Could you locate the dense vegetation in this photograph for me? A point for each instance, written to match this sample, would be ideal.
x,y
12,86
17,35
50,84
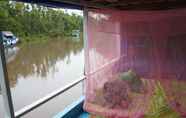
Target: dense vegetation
x,y
30,21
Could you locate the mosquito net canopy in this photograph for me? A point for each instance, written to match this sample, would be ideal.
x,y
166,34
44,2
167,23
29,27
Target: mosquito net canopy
x,y
136,63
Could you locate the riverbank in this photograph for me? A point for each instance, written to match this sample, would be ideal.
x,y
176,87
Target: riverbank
x,y
39,39
44,38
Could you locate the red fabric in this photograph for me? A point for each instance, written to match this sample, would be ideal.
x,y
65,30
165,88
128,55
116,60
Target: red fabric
x,y
150,43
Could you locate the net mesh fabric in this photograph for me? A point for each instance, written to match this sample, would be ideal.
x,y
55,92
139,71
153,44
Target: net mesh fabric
x,y
136,63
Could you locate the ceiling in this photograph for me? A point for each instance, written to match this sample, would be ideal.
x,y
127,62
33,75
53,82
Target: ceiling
x,y
129,4
115,4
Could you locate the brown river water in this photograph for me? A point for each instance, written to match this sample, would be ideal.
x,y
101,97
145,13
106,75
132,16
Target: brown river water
x,y
35,70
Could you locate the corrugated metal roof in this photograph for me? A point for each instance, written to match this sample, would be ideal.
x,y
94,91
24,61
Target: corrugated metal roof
x,y
129,4
115,4
7,33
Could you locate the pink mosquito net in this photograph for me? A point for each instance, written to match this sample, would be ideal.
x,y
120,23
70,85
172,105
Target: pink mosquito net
x,y
136,63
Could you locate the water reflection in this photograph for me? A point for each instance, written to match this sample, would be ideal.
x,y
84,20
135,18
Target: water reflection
x,y
39,59
37,69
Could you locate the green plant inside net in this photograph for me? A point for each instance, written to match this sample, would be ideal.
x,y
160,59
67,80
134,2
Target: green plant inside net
x,y
158,107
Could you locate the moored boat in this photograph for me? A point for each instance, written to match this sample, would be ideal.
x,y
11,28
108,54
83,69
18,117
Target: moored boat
x,y
9,39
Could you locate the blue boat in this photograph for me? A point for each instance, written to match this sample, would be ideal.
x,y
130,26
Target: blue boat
x,y
9,39
75,110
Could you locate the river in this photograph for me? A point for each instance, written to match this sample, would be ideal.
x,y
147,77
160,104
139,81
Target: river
x,y
37,69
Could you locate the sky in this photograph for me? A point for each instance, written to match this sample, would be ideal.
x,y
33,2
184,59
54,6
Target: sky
x,y
70,11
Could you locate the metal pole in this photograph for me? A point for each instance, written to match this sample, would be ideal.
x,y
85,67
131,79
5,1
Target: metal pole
x,y
4,83
85,39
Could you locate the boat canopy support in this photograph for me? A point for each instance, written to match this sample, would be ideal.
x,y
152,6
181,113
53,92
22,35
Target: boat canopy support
x,y
4,84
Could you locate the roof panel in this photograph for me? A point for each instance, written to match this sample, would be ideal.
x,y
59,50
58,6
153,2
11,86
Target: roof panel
x,y
114,4
129,4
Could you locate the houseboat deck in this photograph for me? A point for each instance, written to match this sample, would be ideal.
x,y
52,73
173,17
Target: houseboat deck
x,y
75,110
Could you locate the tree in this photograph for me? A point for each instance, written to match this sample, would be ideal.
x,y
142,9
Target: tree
x,y
28,20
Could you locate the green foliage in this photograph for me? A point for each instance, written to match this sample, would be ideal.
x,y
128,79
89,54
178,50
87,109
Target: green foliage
x,y
133,80
159,107
30,20
129,75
